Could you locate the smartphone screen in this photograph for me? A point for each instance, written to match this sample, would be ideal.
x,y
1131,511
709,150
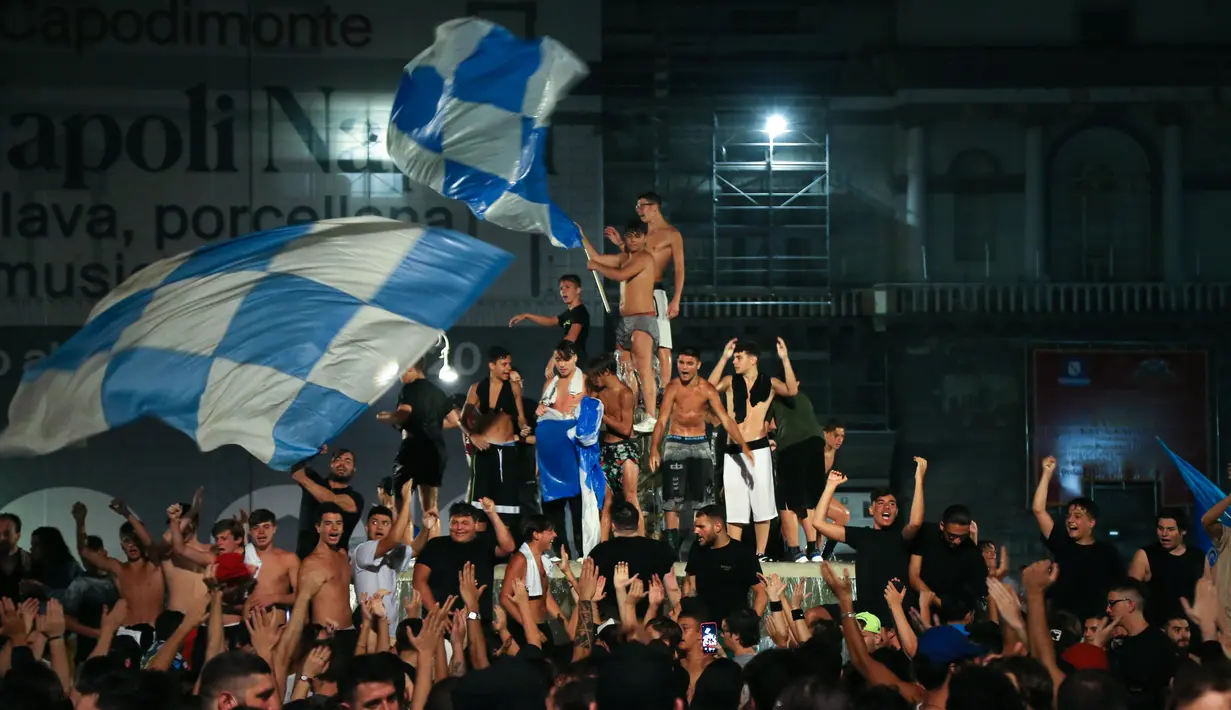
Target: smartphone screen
x,y
709,637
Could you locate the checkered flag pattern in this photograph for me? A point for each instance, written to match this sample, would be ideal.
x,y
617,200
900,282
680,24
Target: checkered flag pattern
x,y
470,121
275,341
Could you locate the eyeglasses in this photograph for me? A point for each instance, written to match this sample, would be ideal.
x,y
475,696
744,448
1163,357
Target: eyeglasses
x,y
1112,602
955,538
639,205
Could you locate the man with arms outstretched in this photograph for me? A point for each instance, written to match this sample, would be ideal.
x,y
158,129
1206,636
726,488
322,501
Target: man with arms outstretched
x,y
884,549
689,480
666,245
573,322
637,330
749,394
139,581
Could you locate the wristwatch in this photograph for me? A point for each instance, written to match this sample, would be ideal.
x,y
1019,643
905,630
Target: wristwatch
x,y
472,616
849,615
305,678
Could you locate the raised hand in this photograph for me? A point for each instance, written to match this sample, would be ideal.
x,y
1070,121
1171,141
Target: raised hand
x,y
1007,603
729,349
376,604
588,584
921,467
657,592
120,508
836,478
413,605
782,354
175,512
317,661
894,597
1040,575
470,589
841,587
115,617
79,511
51,622
489,506
1049,465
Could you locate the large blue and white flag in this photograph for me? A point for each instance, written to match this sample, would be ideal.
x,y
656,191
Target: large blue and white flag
x,y
1205,495
470,121
275,341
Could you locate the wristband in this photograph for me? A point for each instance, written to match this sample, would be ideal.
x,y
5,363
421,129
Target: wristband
x,y
797,615
775,606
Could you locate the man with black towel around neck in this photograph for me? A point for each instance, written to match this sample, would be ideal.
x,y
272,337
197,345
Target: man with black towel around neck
x,y
493,417
750,494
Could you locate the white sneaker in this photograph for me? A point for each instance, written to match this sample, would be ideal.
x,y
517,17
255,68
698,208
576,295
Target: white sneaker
x,y
801,559
817,556
646,425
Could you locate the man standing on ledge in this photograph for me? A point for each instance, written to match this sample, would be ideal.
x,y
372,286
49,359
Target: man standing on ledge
x,y
574,322
664,243
318,492
493,417
749,394
637,331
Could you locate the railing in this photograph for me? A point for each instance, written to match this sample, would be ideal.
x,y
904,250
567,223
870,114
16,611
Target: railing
x,y
910,299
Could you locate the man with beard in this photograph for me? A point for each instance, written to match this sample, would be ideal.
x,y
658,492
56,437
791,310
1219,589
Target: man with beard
x,y
15,563
423,412
1088,567
492,418
721,570
884,549
688,402
1169,568
331,605
139,581
749,393
277,569
318,492
637,329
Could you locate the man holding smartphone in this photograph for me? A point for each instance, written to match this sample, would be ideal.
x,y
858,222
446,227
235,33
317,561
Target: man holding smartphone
x,y
694,656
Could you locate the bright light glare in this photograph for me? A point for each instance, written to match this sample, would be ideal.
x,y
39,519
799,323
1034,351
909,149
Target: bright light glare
x,y
447,373
385,376
775,125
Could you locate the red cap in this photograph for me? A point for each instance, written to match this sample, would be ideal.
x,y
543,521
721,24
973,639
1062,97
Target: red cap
x,y
1085,656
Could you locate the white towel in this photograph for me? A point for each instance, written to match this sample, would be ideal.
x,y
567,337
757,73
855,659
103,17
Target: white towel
x,y
576,386
535,584
252,558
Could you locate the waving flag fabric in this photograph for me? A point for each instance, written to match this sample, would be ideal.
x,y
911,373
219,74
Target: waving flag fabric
x,y
1205,493
274,341
470,121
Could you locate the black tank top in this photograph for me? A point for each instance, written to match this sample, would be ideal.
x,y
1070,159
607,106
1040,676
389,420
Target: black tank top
x,y
1171,577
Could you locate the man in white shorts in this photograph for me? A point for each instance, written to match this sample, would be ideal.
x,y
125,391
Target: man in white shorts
x,y
750,494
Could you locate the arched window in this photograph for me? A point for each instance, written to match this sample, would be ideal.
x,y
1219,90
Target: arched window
x,y
974,206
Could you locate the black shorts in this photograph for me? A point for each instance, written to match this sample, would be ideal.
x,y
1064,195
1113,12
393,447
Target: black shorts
x,y
796,474
688,472
498,473
420,459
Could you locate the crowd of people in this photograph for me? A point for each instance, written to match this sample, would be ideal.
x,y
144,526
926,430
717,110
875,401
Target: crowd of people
x,y
507,610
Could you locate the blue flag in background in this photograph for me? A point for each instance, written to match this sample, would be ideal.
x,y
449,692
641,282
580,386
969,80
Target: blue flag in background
x,y
1206,494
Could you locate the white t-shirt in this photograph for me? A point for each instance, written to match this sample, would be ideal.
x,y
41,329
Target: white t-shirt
x,y
373,574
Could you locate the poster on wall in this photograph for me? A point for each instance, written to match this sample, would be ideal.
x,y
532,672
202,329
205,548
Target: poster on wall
x,y
1099,411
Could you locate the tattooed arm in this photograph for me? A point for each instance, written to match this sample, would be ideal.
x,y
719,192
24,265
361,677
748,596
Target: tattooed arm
x,y
587,588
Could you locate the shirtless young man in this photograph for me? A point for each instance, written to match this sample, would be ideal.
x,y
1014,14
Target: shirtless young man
x,y
184,577
620,459
492,418
749,394
140,582
637,331
665,244
331,605
278,575
688,403
539,534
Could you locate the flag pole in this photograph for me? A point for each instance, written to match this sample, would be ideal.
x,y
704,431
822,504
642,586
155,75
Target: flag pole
x,y
598,282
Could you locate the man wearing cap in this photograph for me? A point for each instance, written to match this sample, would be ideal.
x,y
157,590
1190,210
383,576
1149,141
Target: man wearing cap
x,y
318,491
871,626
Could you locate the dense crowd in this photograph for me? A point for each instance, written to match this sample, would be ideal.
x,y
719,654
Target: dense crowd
x,y
497,615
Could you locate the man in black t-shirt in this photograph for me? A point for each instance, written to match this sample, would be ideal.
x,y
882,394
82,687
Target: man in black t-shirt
x,y
1088,567
317,491
574,321
645,557
722,571
422,414
1145,659
947,562
884,548
443,558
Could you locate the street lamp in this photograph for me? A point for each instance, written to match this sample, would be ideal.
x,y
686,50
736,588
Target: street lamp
x,y
775,125
447,373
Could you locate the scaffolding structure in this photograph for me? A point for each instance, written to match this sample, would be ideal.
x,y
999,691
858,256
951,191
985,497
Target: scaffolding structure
x,y
771,202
